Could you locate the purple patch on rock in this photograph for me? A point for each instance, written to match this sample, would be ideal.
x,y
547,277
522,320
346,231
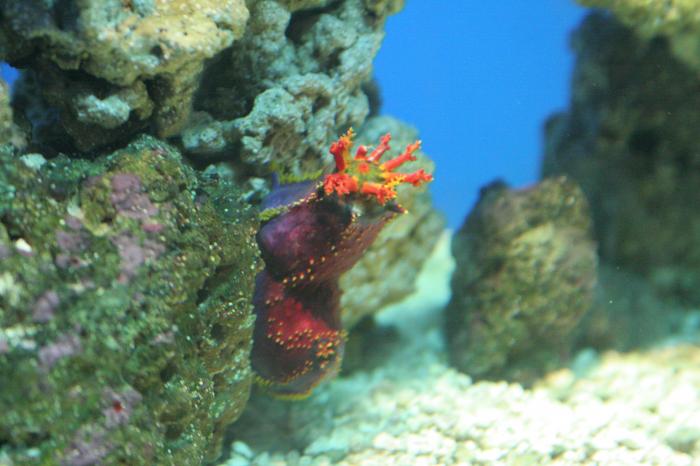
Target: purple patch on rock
x,y
71,241
73,223
45,307
153,248
125,183
88,447
133,254
4,252
64,261
152,227
129,199
200,200
66,345
4,346
92,181
120,406
130,252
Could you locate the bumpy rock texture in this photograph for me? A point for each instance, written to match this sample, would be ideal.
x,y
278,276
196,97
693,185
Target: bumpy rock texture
x,y
388,270
290,85
9,131
678,20
630,140
526,268
125,308
111,68
125,278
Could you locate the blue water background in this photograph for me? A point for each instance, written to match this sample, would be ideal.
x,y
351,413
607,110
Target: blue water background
x,y
478,79
8,73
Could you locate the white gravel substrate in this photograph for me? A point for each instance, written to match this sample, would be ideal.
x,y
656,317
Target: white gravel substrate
x,y
634,409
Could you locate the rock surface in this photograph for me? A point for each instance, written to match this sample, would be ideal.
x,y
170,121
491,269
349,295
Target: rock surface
x,y
630,140
526,268
294,82
108,69
9,131
628,314
126,277
677,20
125,308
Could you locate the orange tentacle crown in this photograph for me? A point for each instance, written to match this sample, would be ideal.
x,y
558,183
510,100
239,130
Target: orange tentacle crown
x,y
364,174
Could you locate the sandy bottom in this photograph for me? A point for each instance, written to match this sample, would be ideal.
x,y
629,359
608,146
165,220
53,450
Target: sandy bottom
x,y
413,409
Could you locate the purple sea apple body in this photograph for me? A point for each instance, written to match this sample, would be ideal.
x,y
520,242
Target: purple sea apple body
x,y
298,340
317,231
283,195
300,243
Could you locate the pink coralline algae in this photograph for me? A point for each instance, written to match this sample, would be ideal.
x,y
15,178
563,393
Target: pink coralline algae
x,y
45,307
65,346
71,242
119,406
134,252
88,448
314,232
129,198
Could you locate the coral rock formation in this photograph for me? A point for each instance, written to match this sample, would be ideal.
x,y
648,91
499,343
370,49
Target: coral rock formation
x,y
126,278
526,268
630,140
284,90
677,20
125,308
113,68
9,132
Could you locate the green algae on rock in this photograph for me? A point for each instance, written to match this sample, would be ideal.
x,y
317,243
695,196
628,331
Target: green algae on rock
x,y
125,313
526,268
9,131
